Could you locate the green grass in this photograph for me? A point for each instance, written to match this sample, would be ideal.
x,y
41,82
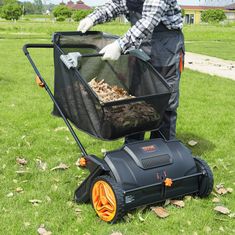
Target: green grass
x,y
213,40
27,129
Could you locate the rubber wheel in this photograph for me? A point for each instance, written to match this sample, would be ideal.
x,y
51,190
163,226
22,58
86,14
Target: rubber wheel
x,y
207,180
107,199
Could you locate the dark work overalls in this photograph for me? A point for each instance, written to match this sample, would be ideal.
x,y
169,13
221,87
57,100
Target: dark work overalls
x,y
166,50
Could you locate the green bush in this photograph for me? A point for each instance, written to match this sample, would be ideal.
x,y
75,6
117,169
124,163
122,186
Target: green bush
x,y
80,14
60,18
211,16
11,11
62,11
182,12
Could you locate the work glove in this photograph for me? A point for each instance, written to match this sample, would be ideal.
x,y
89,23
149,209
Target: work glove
x,y
111,51
85,24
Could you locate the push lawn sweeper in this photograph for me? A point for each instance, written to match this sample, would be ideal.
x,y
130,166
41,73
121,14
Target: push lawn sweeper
x,y
139,173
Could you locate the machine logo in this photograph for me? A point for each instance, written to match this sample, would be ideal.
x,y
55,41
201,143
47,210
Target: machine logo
x,y
149,148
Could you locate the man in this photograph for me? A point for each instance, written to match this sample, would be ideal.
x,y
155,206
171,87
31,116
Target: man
x,y
156,28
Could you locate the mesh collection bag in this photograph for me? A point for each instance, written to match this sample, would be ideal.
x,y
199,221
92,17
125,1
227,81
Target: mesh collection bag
x,y
107,99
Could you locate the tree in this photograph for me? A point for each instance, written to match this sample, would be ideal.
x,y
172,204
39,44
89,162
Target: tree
x,y
80,14
213,16
182,12
11,11
38,6
62,11
29,8
6,2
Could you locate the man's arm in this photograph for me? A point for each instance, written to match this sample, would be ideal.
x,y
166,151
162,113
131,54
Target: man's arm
x,y
109,11
151,16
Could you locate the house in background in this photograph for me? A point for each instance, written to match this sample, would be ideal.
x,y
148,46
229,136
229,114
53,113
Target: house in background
x,y
79,5
193,13
230,12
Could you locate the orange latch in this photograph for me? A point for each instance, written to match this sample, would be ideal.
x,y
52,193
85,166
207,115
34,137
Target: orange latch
x,y
39,82
181,63
82,162
168,182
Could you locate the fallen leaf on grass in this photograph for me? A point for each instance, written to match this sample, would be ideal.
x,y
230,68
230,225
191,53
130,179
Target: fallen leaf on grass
x,y
178,203
116,233
48,199
207,229
22,172
41,165
26,224
232,215
167,202
128,217
78,211
221,229
230,190
104,151
78,162
215,200
21,161
10,194
35,201
24,138
192,143
19,190
160,212
42,231
222,210
61,128
221,190
188,198
61,166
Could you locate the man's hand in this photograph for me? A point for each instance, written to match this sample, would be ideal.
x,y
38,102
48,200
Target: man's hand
x,y
85,24
111,51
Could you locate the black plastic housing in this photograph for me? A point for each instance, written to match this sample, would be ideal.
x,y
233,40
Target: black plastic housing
x,y
141,168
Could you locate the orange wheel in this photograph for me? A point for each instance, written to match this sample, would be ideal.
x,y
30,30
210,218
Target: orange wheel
x,y
107,199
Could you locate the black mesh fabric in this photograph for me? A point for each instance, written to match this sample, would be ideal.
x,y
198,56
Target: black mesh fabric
x,y
81,105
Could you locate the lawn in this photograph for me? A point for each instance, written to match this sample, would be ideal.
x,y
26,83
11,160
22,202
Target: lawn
x,y
27,130
213,40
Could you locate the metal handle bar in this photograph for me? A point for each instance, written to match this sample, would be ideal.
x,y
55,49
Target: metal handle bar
x,y
26,52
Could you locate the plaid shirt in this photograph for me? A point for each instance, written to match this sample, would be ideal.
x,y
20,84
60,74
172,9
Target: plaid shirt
x,y
154,11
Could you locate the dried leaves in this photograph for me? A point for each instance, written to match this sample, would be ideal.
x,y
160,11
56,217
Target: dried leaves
x,y
222,210
41,165
126,115
177,203
42,230
192,143
61,166
108,93
160,212
221,190
21,161
35,202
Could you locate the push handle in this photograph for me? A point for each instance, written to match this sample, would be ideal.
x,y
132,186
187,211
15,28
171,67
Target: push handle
x,y
26,46
43,83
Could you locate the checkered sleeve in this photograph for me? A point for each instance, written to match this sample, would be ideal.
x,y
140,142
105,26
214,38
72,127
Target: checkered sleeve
x,y
151,16
109,11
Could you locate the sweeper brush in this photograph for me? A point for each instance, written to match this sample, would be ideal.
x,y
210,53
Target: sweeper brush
x,y
110,100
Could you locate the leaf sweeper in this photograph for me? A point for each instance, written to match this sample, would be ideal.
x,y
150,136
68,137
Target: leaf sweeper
x,y
139,173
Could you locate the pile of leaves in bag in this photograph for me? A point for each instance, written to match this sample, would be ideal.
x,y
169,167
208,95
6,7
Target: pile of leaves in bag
x,y
130,114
